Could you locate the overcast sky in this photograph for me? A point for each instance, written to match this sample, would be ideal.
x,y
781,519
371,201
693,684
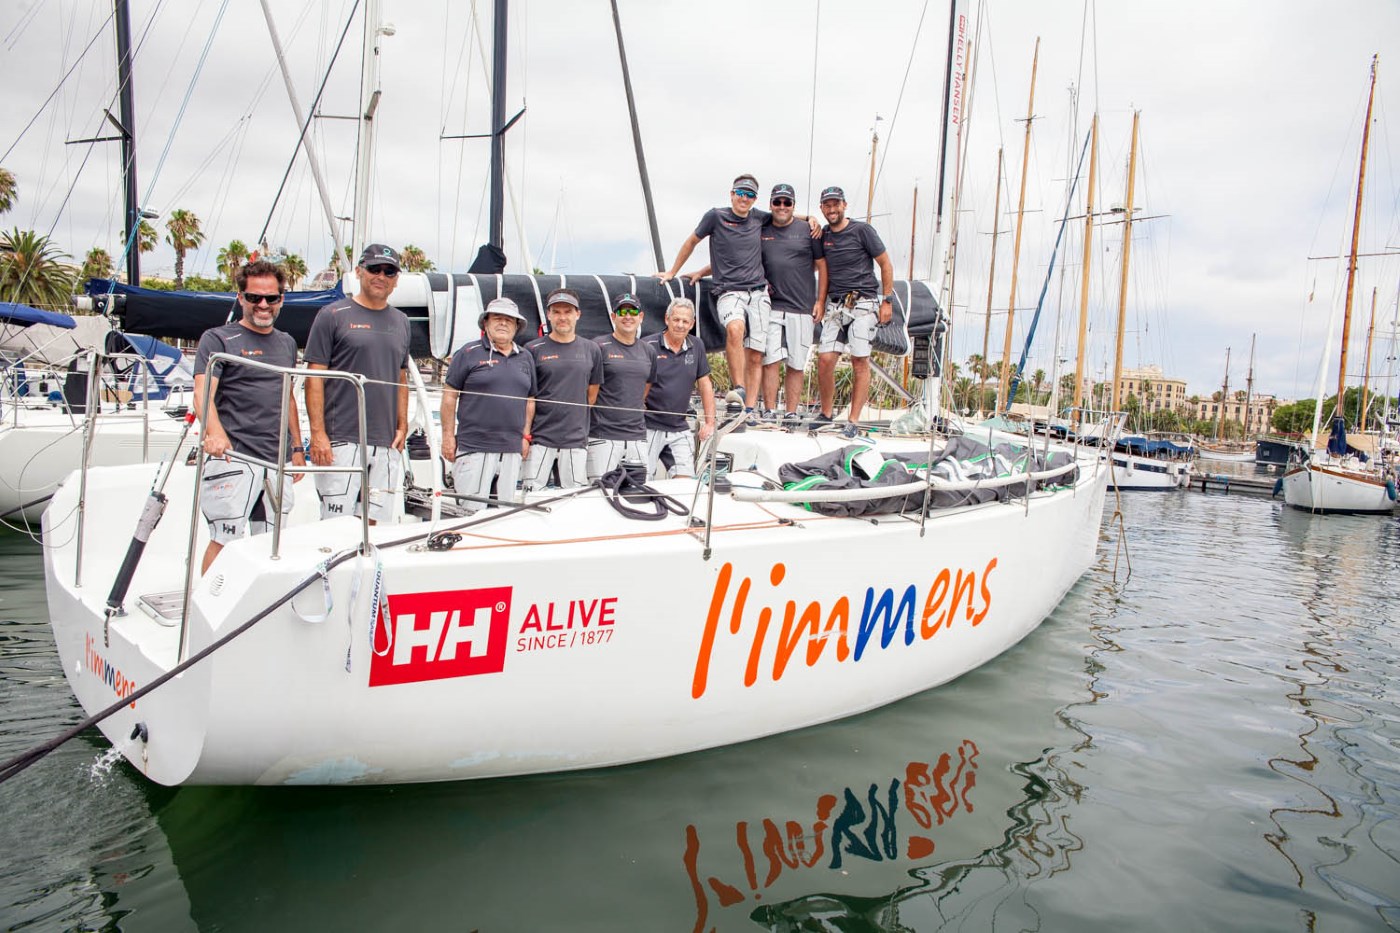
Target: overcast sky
x,y
1251,119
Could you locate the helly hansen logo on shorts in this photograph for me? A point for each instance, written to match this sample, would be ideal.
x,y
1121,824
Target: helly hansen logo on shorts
x,y
441,635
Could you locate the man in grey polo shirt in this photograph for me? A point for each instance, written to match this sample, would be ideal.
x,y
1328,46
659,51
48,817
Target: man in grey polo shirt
x,y
790,256
365,335
681,365
568,373
488,386
855,303
245,411
618,429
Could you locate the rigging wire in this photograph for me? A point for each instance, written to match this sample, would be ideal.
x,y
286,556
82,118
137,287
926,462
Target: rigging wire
x,y
913,47
812,126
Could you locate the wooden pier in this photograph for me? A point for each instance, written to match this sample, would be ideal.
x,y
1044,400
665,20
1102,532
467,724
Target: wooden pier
x,y
1227,483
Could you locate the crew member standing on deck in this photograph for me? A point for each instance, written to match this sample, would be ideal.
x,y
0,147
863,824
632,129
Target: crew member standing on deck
x,y
568,372
790,257
487,389
855,303
367,335
246,411
681,365
618,429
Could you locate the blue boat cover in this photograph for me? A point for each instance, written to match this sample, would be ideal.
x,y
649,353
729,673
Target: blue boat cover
x,y
1137,444
165,368
23,315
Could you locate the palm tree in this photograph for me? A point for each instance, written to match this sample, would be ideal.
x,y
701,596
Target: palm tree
x,y
32,271
232,257
977,366
1037,383
296,270
9,188
97,264
415,260
183,235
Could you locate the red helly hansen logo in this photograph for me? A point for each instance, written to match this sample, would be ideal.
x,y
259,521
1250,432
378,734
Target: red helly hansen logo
x,y
441,635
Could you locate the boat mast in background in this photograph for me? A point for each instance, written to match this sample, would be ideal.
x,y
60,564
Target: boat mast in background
x,y
1248,386
1084,273
1005,375
369,103
1355,241
1366,372
1123,278
637,141
991,280
1224,397
127,129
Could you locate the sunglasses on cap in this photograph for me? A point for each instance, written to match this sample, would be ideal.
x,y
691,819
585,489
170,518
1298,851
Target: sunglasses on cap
x,y
627,311
782,202
388,272
253,298
746,192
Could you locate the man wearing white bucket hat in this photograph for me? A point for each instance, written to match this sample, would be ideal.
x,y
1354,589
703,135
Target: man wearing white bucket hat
x,y
488,386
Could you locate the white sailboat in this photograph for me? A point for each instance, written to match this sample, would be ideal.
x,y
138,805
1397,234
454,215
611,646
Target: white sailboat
x,y
1335,477
564,632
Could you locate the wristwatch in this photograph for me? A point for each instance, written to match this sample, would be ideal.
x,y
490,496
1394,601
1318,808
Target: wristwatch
x,y
889,298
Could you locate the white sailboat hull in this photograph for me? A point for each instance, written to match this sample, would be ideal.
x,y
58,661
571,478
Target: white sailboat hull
x,y
551,641
39,448
1327,485
1130,471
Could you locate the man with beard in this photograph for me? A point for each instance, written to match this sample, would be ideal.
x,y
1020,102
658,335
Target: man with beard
x,y
790,256
855,302
367,335
244,415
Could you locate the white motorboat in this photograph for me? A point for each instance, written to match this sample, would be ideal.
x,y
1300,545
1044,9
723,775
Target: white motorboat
x,y
557,635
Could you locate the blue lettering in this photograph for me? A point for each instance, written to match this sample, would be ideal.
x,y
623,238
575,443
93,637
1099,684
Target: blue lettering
x,y
887,616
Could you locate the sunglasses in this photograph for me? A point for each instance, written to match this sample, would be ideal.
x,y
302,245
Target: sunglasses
x,y
782,202
253,298
388,272
627,312
746,192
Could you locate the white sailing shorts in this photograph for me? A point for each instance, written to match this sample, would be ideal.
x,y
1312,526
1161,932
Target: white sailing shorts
x,y
235,494
789,338
682,446
753,308
340,492
541,461
860,323
604,456
474,473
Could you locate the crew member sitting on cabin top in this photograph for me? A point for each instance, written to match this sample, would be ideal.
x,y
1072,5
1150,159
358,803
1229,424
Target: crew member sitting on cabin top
x,y
568,372
681,365
246,411
367,335
854,301
618,430
488,386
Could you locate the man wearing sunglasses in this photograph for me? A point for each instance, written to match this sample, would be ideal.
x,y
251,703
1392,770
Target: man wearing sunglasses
x,y
618,428
244,417
367,335
790,257
856,304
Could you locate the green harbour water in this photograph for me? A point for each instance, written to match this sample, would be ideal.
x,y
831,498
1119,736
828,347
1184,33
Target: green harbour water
x,y
1204,735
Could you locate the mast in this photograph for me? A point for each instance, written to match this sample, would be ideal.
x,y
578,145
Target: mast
x,y
1366,377
499,21
1016,249
637,142
1224,396
874,147
369,103
1355,240
991,280
1084,271
127,129
1249,386
1123,277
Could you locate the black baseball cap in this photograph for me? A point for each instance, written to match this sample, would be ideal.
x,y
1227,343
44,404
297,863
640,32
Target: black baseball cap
x,y
627,301
379,254
783,191
833,193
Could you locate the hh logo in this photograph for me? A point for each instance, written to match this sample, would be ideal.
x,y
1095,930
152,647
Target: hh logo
x,y
439,635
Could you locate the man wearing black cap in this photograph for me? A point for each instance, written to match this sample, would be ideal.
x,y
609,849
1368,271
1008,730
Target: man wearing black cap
x,y
790,256
741,291
367,335
618,430
855,303
568,372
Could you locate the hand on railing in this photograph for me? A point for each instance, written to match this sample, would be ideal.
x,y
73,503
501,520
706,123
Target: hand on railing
x,y
216,442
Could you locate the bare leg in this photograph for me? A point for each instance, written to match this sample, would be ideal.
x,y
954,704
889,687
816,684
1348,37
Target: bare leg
x,y
860,384
826,380
734,354
792,389
754,360
211,552
770,385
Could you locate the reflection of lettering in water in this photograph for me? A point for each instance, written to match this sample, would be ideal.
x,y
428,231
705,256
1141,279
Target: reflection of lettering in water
x,y
852,825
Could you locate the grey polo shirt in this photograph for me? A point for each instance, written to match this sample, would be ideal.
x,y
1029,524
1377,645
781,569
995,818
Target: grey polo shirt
x,y
348,336
736,259
248,399
495,388
563,373
850,260
676,375
627,369
788,254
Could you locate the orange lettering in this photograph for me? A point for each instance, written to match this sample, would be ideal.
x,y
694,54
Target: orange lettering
x,y
707,640
841,610
986,593
934,600
764,617
962,586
